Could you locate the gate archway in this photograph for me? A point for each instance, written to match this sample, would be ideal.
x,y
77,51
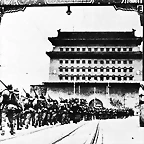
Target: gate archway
x,y
96,103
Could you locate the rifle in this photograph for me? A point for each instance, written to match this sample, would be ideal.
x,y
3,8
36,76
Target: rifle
x,y
35,91
4,84
24,91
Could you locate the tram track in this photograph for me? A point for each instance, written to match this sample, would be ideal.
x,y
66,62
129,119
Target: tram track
x,y
27,133
90,135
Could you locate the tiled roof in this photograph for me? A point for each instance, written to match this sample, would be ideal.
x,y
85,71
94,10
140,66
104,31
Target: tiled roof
x,y
96,35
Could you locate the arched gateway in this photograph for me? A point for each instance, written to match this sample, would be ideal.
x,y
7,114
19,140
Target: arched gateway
x,y
96,103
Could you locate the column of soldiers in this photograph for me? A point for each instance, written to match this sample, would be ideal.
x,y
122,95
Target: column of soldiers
x,y
18,112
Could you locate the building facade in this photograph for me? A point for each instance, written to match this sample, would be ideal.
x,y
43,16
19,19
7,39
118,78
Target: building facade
x,y
86,63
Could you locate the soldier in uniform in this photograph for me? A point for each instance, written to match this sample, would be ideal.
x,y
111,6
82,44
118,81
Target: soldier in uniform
x,y
28,110
10,106
141,104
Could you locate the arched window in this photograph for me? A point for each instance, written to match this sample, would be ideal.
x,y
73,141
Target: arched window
x,y
66,69
113,69
107,69
89,69
89,77
78,69
125,77
107,77
83,77
61,77
83,69
95,69
119,78
131,77
77,77
119,69
130,69
95,77
113,77
61,61
101,69
101,77
72,77
125,69
66,77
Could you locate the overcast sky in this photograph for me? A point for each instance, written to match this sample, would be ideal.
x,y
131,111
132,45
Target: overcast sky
x,y
24,37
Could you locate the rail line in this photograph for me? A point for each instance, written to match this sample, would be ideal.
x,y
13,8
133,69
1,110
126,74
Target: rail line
x,y
27,133
72,136
60,139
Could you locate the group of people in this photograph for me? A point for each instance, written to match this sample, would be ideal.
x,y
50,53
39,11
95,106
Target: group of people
x,y
17,112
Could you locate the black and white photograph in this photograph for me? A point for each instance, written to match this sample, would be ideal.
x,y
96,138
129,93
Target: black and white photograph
x,y
71,72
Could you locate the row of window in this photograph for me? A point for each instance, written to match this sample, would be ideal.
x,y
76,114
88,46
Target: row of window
x,y
96,69
96,49
100,77
96,61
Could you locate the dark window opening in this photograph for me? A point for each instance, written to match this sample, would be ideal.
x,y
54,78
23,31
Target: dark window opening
x,y
113,77
125,69
61,70
89,49
101,69
101,77
66,70
119,62
89,69
113,69
130,49
101,62
113,49
89,61
107,62
61,61
113,62
95,61
119,78
119,69
83,61
78,78
101,49
95,78
107,49
67,49
78,61
119,49
60,77
72,49
66,61
78,49
131,77
95,49
130,62
61,49
83,77
83,49
107,77
125,62
124,49
130,69
72,77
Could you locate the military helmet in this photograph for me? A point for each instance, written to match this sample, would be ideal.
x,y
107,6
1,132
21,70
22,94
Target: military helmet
x,y
16,91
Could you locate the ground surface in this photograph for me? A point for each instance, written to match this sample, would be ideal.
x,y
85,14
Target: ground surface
x,y
112,131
